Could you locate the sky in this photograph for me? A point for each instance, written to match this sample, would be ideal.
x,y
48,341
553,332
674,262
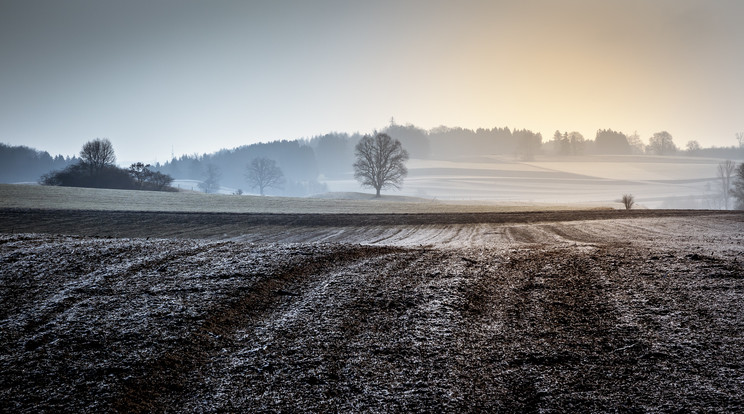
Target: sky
x,y
173,77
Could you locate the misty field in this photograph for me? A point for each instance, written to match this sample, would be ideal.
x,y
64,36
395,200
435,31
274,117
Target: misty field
x,y
656,181
70,198
593,310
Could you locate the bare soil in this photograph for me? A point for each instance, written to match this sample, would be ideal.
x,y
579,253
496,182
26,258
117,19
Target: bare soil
x,y
583,311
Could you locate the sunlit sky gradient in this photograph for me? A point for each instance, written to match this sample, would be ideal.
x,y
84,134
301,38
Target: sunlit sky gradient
x,y
196,76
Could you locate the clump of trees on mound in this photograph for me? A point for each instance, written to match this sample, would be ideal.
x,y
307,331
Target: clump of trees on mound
x,y
96,169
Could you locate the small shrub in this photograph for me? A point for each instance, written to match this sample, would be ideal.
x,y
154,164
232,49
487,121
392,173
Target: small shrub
x,y
628,200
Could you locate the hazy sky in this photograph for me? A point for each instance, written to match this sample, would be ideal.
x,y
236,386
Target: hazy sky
x,y
197,76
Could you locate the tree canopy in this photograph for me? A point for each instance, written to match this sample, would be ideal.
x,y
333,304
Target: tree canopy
x,y
263,173
380,162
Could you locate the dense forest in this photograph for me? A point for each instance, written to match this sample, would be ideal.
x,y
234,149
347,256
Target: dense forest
x,y
23,164
307,163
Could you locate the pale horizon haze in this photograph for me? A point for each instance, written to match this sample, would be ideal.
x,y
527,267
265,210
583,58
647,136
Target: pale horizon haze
x,y
196,76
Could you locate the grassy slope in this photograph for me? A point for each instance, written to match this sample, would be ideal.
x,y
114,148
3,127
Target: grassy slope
x,y
42,197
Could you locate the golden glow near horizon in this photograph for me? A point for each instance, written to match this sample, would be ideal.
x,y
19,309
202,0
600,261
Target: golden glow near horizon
x,y
203,76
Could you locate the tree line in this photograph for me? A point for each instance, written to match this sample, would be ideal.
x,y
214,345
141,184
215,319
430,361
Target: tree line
x,y
300,167
24,164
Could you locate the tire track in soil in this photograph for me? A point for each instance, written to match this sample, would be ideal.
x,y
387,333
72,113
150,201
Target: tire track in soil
x,y
563,332
367,336
161,382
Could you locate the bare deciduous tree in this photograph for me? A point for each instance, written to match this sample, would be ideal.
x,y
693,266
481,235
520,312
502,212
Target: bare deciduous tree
x,y
97,154
211,181
380,162
628,201
725,170
264,173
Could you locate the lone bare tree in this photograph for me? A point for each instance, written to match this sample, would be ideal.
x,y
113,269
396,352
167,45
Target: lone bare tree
x,y
211,181
264,173
725,171
628,201
98,154
380,162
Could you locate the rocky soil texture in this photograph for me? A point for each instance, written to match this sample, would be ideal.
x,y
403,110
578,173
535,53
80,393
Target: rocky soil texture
x,y
605,314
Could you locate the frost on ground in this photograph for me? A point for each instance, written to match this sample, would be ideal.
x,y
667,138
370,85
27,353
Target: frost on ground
x,y
637,314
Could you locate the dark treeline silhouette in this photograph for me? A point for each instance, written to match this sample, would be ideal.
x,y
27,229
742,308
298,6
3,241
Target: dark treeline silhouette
x,y
96,169
24,164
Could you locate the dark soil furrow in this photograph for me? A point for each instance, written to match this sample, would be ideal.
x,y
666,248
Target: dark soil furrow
x,y
163,381
203,225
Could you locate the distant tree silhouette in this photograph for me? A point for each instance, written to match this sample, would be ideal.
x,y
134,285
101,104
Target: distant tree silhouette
x,y
661,144
724,172
98,154
528,143
146,179
693,147
576,142
211,183
608,141
140,172
159,181
738,190
636,144
628,201
24,164
264,173
380,162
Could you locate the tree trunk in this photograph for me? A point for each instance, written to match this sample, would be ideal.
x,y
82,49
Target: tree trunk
x,y
378,193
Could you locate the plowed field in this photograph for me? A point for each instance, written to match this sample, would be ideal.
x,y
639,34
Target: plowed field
x,y
564,312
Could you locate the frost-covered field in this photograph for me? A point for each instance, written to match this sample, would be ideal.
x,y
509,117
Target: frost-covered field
x,y
656,181
68,198
559,311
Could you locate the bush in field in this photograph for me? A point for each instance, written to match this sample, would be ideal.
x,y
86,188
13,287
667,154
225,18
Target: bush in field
x,y
80,175
96,170
628,200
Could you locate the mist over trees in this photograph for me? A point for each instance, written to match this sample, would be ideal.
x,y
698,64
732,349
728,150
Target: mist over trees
x,y
211,182
608,141
661,144
309,163
296,159
738,190
24,164
263,173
